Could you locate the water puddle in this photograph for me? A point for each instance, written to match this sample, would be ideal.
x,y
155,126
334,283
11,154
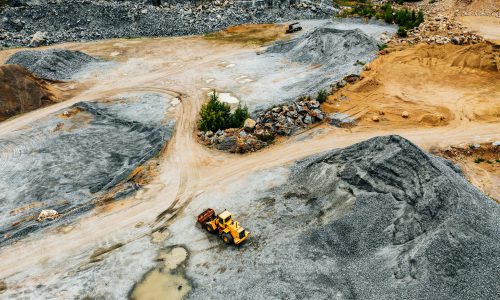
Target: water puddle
x,y
166,280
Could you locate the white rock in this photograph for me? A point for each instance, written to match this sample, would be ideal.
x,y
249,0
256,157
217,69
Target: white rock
x,y
47,214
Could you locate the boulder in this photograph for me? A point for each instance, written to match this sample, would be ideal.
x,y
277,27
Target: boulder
x,y
228,143
249,124
38,39
341,120
47,214
405,114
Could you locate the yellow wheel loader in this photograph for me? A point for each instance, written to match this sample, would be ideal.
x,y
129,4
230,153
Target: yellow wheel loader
x,y
223,224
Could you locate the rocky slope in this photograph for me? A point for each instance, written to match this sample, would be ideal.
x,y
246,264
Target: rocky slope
x,y
381,218
52,64
71,20
21,92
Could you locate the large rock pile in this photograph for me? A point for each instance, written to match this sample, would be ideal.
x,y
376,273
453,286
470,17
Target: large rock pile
x,y
77,20
441,30
283,120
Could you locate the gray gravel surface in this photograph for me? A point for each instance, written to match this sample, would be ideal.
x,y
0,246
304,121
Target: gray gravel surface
x,y
381,219
52,64
67,163
80,20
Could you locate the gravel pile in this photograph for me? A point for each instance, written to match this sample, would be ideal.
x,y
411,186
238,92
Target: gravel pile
x,y
52,64
80,20
380,219
326,46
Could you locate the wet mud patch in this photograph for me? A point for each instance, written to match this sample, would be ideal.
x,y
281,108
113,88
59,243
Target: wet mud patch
x,y
74,167
167,280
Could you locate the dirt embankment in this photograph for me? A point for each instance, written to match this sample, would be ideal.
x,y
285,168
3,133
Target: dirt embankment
x,y
480,164
21,92
425,86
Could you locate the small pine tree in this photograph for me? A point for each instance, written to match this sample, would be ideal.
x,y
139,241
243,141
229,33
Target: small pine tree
x,y
322,95
214,115
239,116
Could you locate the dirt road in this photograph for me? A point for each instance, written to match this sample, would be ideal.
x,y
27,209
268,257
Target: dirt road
x,y
177,66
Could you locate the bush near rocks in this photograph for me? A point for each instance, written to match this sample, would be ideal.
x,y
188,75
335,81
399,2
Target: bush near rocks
x,y
281,120
216,115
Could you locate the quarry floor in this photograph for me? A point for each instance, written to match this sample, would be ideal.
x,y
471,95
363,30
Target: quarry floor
x,y
427,81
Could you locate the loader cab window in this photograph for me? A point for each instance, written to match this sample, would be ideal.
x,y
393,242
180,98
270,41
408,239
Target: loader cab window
x,y
223,221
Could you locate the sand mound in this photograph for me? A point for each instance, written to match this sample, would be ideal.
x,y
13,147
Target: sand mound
x,y
437,85
53,64
21,92
327,46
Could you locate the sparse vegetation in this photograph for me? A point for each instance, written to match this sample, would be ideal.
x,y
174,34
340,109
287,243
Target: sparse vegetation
x,y
215,115
402,32
381,46
406,19
322,95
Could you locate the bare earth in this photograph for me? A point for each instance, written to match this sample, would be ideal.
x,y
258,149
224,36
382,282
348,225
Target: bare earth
x,y
452,95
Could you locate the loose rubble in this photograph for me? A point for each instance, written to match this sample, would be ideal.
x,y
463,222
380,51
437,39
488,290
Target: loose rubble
x,y
83,20
440,30
281,120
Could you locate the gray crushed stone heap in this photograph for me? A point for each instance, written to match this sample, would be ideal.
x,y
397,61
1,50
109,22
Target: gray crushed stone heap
x,y
80,20
326,46
380,219
69,163
52,64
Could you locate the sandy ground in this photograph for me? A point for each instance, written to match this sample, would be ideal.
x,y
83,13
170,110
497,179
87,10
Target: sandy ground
x,y
177,66
487,27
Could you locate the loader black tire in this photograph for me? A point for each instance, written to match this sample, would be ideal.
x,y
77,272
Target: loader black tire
x,y
209,227
227,238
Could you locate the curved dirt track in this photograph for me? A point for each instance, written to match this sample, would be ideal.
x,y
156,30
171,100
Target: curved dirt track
x,y
176,66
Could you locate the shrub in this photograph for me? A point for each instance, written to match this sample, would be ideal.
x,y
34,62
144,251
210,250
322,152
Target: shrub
x,y
402,32
214,115
381,46
239,116
322,95
479,160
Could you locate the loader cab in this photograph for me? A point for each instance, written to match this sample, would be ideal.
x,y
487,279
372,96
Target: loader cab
x,y
224,218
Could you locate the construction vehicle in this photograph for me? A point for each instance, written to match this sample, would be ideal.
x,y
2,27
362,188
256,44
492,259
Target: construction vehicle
x,y
223,224
294,27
